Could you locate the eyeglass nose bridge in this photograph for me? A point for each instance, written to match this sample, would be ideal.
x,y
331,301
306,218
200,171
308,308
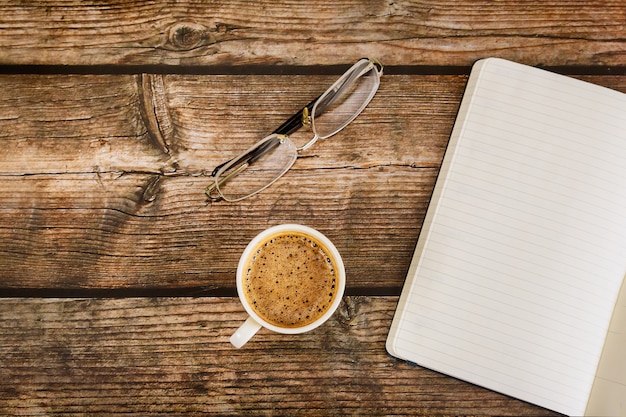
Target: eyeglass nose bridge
x,y
306,121
308,144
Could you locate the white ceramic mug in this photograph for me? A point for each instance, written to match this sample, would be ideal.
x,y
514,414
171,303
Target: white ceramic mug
x,y
254,322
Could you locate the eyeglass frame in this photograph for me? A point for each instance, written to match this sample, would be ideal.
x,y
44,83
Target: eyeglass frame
x,y
304,117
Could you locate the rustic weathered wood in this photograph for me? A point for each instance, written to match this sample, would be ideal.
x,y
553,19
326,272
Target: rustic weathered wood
x,y
83,123
93,199
97,193
172,355
74,124
55,32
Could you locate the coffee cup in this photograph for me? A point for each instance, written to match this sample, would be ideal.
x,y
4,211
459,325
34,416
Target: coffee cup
x,y
290,279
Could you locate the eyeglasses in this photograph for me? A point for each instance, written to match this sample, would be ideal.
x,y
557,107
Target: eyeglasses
x,y
266,161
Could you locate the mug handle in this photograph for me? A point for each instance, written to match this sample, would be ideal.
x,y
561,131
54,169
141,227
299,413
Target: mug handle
x,y
244,332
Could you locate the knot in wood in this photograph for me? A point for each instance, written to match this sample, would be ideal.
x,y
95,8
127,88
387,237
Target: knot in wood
x,y
348,311
187,35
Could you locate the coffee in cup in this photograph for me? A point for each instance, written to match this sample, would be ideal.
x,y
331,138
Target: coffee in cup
x,y
290,279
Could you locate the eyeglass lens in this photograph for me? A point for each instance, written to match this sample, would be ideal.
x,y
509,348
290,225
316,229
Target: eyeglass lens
x,y
343,103
257,168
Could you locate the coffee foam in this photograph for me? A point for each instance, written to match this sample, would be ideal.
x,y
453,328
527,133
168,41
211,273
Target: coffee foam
x,y
290,280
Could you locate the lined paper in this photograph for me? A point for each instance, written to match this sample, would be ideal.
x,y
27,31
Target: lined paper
x,y
523,250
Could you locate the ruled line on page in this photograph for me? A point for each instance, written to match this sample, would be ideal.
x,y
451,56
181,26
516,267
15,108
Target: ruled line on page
x,y
531,266
499,380
542,236
596,99
517,137
542,212
499,291
492,345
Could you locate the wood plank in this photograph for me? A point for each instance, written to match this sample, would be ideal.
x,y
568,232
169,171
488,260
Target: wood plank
x,y
64,124
75,217
134,216
172,355
53,124
236,33
95,232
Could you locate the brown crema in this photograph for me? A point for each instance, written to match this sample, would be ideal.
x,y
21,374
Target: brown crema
x,y
290,279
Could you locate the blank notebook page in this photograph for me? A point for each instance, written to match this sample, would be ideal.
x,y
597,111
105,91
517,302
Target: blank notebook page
x,y
523,249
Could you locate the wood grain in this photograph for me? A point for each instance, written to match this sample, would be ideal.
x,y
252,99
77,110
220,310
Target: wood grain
x,y
171,355
236,33
103,200
91,201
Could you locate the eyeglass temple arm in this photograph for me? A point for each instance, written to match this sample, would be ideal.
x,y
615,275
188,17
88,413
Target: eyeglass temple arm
x,y
253,155
296,121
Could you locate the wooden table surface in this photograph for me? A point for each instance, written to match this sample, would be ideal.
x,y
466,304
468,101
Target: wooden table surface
x,y
117,274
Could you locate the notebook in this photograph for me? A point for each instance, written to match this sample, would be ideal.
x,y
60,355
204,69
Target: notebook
x,y
519,264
